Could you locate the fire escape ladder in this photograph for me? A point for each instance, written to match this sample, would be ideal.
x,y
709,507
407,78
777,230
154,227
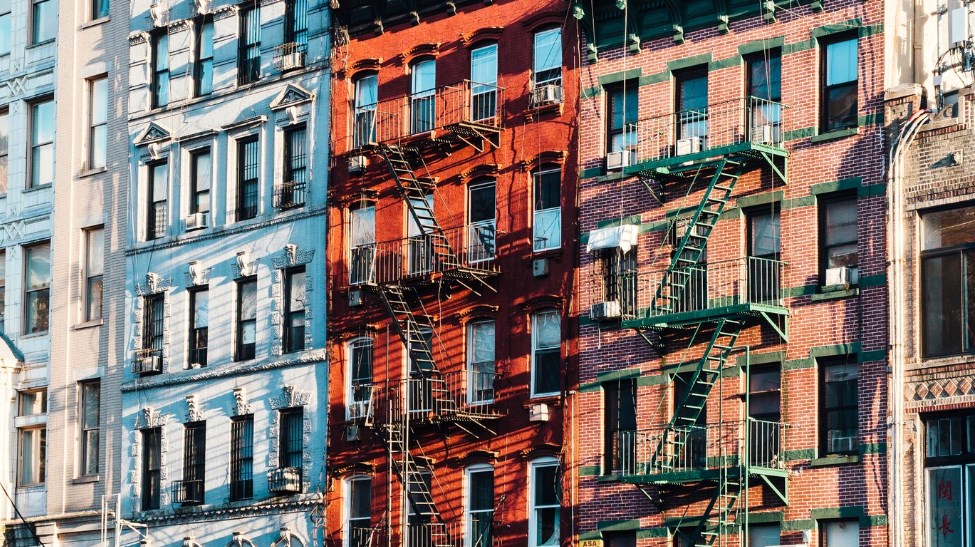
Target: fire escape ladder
x,y
692,244
667,456
720,516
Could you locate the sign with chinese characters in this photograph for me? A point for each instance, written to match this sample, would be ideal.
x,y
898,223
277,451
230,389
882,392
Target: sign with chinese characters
x,y
945,527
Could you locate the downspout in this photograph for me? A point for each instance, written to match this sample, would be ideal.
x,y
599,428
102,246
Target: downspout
x,y
896,274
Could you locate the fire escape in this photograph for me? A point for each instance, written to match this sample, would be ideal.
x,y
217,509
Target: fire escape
x,y
708,304
408,133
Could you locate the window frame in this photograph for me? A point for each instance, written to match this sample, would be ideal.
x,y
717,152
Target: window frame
x,y
823,205
197,195
194,458
537,68
823,524
153,324
197,353
249,46
37,146
4,150
962,252
690,120
94,125
825,88
242,457
469,513
361,252
291,447
159,84
554,211
629,90
291,342
359,393
201,62
245,209
38,445
537,351
94,234
295,166
43,293
296,26
423,100
350,503
823,365
613,440
476,377
100,9
87,430
241,351
150,476
479,247
364,114
3,291
6,20
36,19
156,209
533,507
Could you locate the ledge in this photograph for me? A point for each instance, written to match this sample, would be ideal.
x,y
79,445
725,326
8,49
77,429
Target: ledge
x,y
87,479
834,293
834,135
840,459
88,324
95,22
37,188
90,172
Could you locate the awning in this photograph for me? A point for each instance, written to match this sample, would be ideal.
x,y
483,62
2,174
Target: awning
x,y
616,237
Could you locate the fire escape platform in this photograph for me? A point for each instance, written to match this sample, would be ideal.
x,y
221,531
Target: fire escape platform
x,y
697,475
692,318
744,152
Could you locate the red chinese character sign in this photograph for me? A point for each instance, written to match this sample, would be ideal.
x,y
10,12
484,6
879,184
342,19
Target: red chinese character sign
x,y
945,526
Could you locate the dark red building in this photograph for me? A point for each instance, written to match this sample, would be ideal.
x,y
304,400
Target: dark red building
x,y
451,255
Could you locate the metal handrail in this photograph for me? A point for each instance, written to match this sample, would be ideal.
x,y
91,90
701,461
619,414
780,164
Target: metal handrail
x,y
467,391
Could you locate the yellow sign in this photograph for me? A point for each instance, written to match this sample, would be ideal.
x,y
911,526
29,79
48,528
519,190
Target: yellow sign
x,y
591,543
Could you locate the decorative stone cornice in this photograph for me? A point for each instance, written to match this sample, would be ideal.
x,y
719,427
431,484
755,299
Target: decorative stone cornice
x,y
484,170
241,406
482,34
212,371
429,49
478,309
193,412
543,18
291,95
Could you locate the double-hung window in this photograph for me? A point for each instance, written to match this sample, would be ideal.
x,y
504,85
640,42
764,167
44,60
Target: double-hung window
x,y
201,179
294,310
547,64
480,362
97,121
194,463
364,110
765,411
32,440
546,363
290,449
37,296
153,322
839,91
159,86
249,50
358,512
484,84
692,109
99,9
44,21
90,413
248,176
620,427
296,24
838,229
295,186
547,209
6,20
94,267
242,458
42,131
480,506
764,244
203,68
623,107
362,244
947,282
839,412
545,500
199,325
4,150
482,225
360,378
423,96
950,478
246,319
764,91
151,467
157,191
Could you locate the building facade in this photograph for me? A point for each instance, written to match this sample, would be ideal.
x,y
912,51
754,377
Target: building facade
x,y
733,340
228,141
64,103
451,256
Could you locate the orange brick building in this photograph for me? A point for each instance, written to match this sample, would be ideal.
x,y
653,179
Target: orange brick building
x,y
451,252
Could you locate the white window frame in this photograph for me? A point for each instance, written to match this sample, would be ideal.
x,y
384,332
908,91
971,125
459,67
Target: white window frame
x,y
94,235
347,516
468,514
556,212
475,248
94,135
540,65
533,467
472,372
355,220
356,344
534,360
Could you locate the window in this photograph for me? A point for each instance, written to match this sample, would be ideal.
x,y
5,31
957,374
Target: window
x,y
839,414
360,378
694,452
765,411
37,295
151,467
950,479
249,53
41,143
420,256
44,21
158,191
764,535
420,396
547,66
364,110
619,426
201,179
90,416
97,121
199,326
947,282
839,533
692,105
3,291
159,86
362,252
94,266
546,353
194,463
480,362
623,107
295,185
4,149
153,322
547,218
246,319
358,527
248,172
99,9
545,500
32,441
764,237
422,98
294,310
839,94
764,89
484,84
838,225
6,18
203,68
480,506
242,458
290,449
296,23
481,223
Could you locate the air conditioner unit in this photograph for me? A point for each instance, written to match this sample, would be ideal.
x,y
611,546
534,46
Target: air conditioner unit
x,y
149,363
546,94
290,61
359,410
540,267
842,276
538,413
609,309
689,145
617,160
357,165
763,134
355,298
196,221
841,444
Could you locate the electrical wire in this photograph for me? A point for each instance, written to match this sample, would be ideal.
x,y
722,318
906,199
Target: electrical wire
x,y
28,525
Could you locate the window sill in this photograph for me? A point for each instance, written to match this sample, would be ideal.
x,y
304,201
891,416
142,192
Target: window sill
x,y
95,22
552,399
32,335
834,135
38,487
837,459
90,172
554,252
88,324
835,292
41,44
38,188
87,479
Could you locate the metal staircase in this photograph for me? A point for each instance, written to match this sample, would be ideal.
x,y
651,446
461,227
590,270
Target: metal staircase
x,y
721,515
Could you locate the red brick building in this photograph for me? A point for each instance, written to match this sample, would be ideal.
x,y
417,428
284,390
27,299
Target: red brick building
x,y
732,343
451,254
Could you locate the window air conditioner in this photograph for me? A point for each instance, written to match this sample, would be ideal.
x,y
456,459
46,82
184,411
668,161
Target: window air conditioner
x,y
149,363
290,61
196,221
689,145
359,410
842,276
841,444
538,413
546,94
763,134
357,165
617,160
609,309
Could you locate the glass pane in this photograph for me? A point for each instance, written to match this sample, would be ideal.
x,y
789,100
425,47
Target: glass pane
x,y
482,342
96,252
160,176
297,288
361,503
481,495
5,33
764,234
764,380
482,203
45,21
201,311
99,101
546,485
90,404
363,226
484,65
765,79
841,107
424,76
42,165
366,91
547,329
623,107
942,320
548,52
204,171
161,51
547,372
248,300
38,267
764,535
841,534
548,189
948,228
841,222
693,92
362,361
841,62
206,41
944,492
